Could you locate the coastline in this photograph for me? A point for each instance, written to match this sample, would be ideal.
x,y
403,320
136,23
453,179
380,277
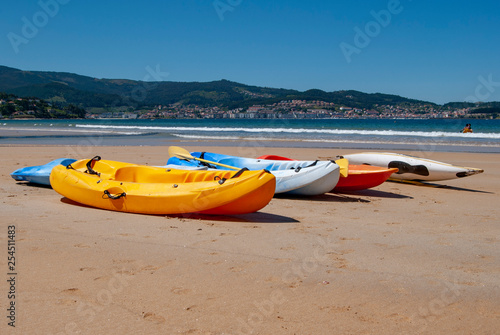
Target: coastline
x,y
392,135
398,258
96,138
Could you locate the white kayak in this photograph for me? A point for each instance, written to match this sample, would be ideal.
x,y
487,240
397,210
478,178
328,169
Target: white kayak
x,y
312,180
413,168
292,177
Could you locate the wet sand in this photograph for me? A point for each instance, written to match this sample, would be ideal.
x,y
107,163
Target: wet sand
x,y
396,259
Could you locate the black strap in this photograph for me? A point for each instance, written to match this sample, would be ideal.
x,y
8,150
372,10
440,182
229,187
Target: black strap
x,y
208,165
313,164
220,180
108,195
300,167
237,174
89,166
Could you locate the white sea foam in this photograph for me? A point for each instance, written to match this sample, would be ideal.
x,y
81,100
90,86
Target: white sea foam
x,y
340,141
303,131
201,137
82,131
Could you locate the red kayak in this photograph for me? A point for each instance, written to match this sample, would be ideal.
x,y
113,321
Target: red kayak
x,y
361,177
276,158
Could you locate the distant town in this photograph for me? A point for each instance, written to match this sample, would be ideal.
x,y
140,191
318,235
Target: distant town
x,y
295,109
12,107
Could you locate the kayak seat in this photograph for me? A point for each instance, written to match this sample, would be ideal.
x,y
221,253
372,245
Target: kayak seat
x,y
140,174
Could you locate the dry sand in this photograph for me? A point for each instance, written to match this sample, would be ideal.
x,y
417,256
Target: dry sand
x,y
397,259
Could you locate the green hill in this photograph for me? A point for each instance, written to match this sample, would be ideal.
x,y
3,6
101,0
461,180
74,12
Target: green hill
x,y
69,88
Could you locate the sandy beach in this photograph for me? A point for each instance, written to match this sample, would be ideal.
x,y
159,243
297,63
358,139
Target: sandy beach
x,y
396,259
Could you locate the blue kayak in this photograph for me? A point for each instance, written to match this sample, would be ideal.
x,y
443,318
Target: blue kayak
x,y
39,174
292,177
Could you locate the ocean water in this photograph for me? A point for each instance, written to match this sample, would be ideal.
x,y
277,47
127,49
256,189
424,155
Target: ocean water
x,y
421,134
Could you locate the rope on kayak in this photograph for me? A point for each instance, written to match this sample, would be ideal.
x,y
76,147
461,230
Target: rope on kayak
x,y
90,170
108,195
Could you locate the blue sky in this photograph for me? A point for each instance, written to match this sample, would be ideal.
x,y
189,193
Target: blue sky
x,y
429,50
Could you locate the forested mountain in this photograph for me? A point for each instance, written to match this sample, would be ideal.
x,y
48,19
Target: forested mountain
x,y
69,88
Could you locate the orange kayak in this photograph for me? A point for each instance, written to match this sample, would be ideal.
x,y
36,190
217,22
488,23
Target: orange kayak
x,y
132,188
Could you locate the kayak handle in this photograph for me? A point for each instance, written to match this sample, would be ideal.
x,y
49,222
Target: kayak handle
x,y
108,195
90,170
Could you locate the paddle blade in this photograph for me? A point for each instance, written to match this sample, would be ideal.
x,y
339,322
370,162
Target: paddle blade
x,y
182,153
179,152
344,167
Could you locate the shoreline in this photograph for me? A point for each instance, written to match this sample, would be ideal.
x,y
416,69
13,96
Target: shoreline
x,y
391,135
99,138
356,146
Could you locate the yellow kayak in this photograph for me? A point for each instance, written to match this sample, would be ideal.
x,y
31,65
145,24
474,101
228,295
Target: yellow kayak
x,y
144,189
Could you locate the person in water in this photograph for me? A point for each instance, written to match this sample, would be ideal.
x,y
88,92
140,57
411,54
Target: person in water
x,y
467,128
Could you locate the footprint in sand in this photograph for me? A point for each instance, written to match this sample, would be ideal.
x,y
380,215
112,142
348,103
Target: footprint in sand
x,y
349,239
273,279
81,245
150,268
72,291
282,260
152,317
180,290
251,226
66,302
335,309
288,248
122,261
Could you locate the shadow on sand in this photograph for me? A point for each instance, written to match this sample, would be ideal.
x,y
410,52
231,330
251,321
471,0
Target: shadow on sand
x,y
376,194
427,184
257,217
25,184
327,197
